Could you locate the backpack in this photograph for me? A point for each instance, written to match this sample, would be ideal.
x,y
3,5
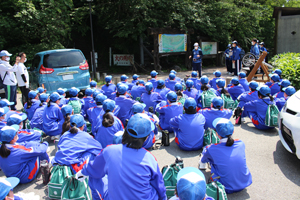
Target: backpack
x,y
228,102
206,98
210,137
74,189
170,177
272,116
58,175
216,190
1,81
76,105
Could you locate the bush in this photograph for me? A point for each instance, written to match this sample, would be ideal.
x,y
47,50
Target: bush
x,y
289,64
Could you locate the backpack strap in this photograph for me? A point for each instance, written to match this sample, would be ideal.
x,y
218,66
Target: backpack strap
x,y
4,76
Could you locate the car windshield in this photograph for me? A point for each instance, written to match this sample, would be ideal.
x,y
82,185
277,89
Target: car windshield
x,y
63,59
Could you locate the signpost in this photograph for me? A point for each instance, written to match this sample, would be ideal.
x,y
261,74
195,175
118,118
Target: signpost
x,y
123,59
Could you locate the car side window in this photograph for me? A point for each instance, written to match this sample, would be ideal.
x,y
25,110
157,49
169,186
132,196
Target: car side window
x,y
35,63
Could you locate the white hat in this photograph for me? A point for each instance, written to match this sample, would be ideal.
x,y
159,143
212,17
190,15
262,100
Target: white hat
x,y
4,53
196,44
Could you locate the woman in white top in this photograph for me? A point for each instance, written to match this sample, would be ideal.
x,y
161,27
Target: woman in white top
x,y
22,77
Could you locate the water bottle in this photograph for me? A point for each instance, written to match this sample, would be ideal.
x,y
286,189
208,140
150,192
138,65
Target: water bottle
x,y
165,139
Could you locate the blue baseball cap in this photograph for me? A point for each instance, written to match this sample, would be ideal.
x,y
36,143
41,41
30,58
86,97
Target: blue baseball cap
x,y
73,91
153,73
5,103
172,76
177,87
290,90
122,88
3,111
253,85
234,81
4,53
109,105
190,102
7,185
275,77
189,83
172,96
191,184
160,82
149,86
78,120
138,107
242,74
93,84
88,92
40,90
61,91
95,93
217,73
217,102
204,80
229,45
141,124
66,109
194,74
124,77
284,83
108,78
100,98
277,71
7,133
220,83
16,119
142,82
264,90
54,97
135,76
173,71
32,94
223,126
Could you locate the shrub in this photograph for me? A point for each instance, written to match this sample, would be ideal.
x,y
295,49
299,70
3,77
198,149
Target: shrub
x,y
289,64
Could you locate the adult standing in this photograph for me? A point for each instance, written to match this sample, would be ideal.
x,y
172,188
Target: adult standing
x,y
236,58
23,77
8,77
197,59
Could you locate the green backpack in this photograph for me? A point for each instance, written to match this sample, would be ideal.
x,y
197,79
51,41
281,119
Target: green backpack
x,y
216,190
170,178
206,98
272,116
228,102
76,105
74,189
210,137
58,175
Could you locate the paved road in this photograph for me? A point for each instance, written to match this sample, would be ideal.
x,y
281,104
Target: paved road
x,y
275,172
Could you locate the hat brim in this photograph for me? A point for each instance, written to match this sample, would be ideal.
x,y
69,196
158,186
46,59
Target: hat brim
x,y
15,126
14,181
6,109
23,116
187,170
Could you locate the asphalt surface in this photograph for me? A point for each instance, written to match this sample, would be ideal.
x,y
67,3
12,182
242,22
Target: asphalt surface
x,y
275,172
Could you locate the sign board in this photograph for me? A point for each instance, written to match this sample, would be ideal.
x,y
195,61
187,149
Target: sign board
x,y
209,48
123,59
170,43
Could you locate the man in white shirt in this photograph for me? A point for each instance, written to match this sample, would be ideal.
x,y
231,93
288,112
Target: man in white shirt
x,y
8,77
22,77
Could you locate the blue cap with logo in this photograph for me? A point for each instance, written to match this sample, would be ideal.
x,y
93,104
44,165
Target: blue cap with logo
x,y
73,91
100,98
149,86
141,124
277,71
177,87
275,77
109,105
284,83
153,73
190,102
290,90
40,90
191,184
7,133
135,76
172,96
124,77
108,78
264,90
242,74
122,88
194,74
93,84
217,102
235,81
88,92
224,127
54,97
5,53
220,83
7,185
204,80
160,82
172,76
5,103
189,83
217,73
61,91
78,120
253,85
16,119
3,111
66,109
138,107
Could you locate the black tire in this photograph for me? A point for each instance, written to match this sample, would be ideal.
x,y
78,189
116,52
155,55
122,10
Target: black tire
x,y
249,60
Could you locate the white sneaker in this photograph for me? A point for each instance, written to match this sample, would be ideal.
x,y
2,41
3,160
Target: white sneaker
x,y
243,119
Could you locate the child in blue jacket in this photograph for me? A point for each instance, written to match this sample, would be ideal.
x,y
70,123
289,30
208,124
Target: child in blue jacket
x,y
283,84
227,158
153,79
75,102
194,78
275,80
62,93
204,87
138,89
151,99
88,100
3,112
109,87
213,82
37,118
243,81
161,89
94,112
32,104
288,91
189,127
221,88
236,89
190,90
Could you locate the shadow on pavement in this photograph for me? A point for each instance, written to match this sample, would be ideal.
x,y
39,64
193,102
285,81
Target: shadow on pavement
x,y
248,126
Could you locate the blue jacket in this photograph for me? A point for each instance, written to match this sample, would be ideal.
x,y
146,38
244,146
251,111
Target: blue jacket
x,y
274,88
163,92
171,84
246,97
53,120
154,82
195,53
255,50
125,105
77,149
30,111
245,84
108,90
193,93
263,49
278,95
226,52
63,101
228,162
236,53
280,102
105,135
24,160
189,130
168,112
27,135
151,100
195,80
235,91
88,102
135,171
92,114
211,114
137,91
37,118
213,82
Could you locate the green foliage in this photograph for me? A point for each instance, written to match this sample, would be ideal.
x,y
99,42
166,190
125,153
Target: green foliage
x,y
289,64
